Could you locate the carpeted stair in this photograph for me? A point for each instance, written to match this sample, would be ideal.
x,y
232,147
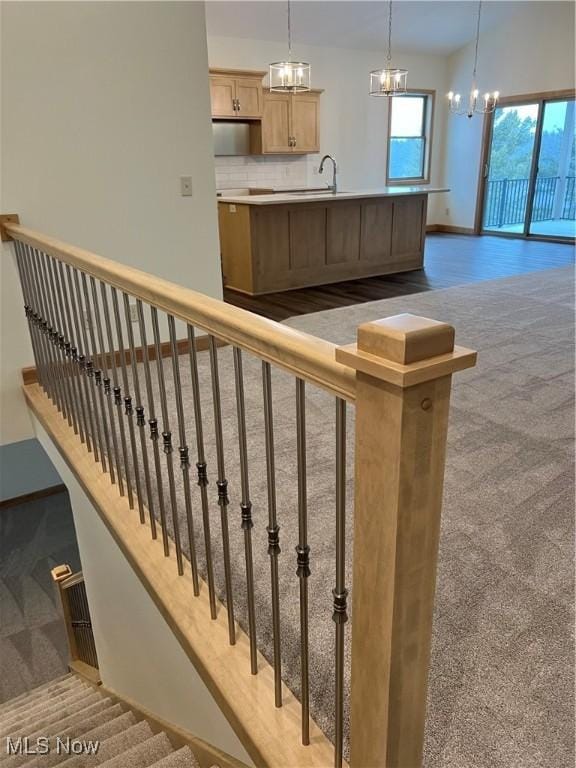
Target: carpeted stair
x,y
68,708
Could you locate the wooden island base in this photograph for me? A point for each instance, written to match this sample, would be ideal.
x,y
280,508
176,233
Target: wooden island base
x,y
268,248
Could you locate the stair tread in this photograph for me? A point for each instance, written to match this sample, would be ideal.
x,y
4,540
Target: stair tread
x,y
142,755
44,693
69,707
182,758
10,703
29,713
99,726
112,747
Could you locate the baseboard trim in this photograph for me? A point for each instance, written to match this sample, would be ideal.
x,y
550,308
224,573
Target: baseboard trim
x,y
85,671
448,229
15,501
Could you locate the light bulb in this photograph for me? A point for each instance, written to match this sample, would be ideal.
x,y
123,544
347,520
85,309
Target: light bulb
x,y
451,95
486,97
457,98
475,93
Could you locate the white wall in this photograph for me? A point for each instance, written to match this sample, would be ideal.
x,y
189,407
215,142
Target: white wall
x,y
139,657
104,107
353,124
532,52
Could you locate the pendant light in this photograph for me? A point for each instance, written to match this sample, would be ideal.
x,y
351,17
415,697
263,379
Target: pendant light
x,y
289,76
389,81
476,105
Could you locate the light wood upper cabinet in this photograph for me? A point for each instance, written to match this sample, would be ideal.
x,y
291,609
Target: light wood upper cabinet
x,y
276,135
306,122
236,93
290,123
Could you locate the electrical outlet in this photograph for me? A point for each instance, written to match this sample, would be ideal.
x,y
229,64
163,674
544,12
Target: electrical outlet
x,y
133,313
186,186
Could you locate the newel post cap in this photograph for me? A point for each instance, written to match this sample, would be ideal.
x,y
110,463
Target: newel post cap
x,y
406,350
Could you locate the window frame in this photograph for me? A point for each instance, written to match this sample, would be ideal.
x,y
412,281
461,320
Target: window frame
x,y
427,136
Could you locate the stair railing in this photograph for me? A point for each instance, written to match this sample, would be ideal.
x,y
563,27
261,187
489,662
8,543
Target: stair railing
x,y
102,364
77,621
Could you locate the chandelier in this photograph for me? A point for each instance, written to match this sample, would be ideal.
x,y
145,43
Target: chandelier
x,y
289,76
389,81
476,105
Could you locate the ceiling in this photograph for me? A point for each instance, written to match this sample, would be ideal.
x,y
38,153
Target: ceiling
x,y
423,26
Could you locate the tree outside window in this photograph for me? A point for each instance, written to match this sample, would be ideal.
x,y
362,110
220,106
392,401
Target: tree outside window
x,y
409,138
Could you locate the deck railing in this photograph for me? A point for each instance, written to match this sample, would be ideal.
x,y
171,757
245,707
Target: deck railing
x,y
506,200
124,397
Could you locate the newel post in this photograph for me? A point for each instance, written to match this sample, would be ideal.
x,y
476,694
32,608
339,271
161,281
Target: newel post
x,y
404,369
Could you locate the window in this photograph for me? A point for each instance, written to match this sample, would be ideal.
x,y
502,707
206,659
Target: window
x,y
409,132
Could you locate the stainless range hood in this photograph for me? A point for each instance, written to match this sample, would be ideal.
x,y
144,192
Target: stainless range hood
x,y
231,138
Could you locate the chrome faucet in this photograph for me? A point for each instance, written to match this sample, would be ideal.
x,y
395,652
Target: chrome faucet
x,y
334,186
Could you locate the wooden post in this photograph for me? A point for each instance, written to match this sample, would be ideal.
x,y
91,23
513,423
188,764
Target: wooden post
x,y
404,366
59,574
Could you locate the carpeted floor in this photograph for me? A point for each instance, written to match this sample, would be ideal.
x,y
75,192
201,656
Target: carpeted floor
x,y
34,537
501,691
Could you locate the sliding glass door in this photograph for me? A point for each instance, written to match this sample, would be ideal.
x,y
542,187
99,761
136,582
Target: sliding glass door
x,y
530,170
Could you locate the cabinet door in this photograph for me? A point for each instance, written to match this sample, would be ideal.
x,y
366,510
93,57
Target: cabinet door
x,y
409,228
343,234
376,234
305,120
276,123
249,97
222,95
307,237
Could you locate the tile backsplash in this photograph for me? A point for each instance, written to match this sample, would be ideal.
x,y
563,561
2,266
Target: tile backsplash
x,y
263,171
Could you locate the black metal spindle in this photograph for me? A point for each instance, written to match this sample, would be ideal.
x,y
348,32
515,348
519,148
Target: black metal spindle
x,y
28,311
102,354
202,468
340,593
64,341
73,351
128,408
222,485
117,391
183,451
100,411
87,366
167,439
303,553
140,414
81,363
48,328
246,507
273,529
153,424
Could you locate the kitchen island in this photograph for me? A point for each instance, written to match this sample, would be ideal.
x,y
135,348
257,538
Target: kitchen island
x,y
276,242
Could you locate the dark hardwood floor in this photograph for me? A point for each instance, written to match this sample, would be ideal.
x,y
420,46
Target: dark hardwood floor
x,y
449,260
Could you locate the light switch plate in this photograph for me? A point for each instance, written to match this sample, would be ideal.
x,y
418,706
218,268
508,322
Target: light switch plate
x,y
232,208
186,186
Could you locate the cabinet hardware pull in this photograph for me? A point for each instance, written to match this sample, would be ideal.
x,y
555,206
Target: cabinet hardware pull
x,y
238,104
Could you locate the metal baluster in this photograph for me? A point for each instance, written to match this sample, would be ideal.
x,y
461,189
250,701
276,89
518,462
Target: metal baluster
x,y
167,438
58,336
303,551
76,383
340,593
45,325
183,451
153,423
66,334
140,417
117,394
222,485
113,458
246,507
129,411
28,310
101,424
273,530
202,468
87,367
81,362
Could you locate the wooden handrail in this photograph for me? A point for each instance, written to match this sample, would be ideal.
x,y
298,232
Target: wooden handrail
x,y
301,354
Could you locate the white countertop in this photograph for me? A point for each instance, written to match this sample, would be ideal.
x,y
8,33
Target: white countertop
x,y
294,197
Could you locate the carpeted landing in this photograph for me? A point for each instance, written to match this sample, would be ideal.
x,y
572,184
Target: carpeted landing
x,y
501,692
73,725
